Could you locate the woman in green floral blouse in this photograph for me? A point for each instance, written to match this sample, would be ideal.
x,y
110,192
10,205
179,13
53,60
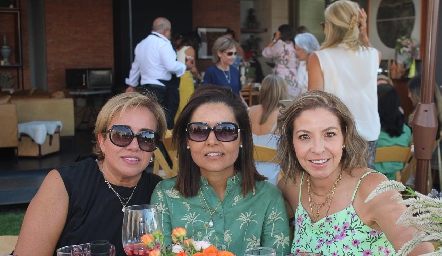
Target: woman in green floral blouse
x,y
218,195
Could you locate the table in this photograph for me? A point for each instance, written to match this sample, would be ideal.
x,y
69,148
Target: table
x,y
38,130
90,113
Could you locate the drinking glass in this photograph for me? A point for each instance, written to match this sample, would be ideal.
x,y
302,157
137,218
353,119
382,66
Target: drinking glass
x,y
75,250
96,248
138,220
267,251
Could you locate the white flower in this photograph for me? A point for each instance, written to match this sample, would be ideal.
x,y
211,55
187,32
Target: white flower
x,y
200,245
177,248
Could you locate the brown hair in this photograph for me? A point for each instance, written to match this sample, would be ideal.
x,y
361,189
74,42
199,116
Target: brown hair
x,y
355,151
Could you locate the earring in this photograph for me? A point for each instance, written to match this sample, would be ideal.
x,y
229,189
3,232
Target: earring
x,y
343,147
151,159
188,147
240,146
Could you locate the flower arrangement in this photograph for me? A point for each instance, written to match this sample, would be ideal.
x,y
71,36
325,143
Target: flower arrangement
x,y
183,246
424,215
406,45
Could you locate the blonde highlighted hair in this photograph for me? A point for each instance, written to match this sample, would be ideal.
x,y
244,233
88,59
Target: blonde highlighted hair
x,y
341,18
273,89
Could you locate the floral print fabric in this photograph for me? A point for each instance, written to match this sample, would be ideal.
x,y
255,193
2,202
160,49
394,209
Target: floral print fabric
x,y
286,64
239,222
341,233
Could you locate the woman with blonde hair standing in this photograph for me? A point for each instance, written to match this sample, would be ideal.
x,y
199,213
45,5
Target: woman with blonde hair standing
x,y
346,65
263,119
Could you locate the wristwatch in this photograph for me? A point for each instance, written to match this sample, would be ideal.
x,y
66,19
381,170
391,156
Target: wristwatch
x,y
274,41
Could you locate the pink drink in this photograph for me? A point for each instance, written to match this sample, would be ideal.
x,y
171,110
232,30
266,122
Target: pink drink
x,y
136,249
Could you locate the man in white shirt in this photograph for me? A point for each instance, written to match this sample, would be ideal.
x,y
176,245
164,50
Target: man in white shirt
x,y
156,63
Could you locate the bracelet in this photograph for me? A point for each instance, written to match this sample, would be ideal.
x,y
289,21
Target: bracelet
x,y
274,41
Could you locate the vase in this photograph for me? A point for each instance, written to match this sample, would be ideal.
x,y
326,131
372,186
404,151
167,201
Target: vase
x,y
5,51
404,59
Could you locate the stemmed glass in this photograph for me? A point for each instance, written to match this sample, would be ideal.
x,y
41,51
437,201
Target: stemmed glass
x,y
138,220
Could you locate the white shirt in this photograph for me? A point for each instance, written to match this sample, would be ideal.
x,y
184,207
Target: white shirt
x,y
352,76
155,59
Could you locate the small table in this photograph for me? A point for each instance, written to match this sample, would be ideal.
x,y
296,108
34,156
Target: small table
x,y
38,130
90,113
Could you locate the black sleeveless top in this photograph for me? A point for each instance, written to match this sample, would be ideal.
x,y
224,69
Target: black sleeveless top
x,y
94,210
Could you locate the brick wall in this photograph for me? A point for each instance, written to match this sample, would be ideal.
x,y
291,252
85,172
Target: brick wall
x,y
79,34
213,13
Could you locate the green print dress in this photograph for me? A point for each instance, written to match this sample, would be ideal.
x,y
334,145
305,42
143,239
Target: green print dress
x,y
238,222
341,233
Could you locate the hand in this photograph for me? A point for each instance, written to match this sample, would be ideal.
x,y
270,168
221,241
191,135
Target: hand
x,y
131,89
363,27
189,62
277,35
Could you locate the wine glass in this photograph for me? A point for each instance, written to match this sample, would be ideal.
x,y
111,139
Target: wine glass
x,y
138,220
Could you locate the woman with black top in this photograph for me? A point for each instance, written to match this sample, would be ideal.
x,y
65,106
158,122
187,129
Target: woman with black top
x,y
84,201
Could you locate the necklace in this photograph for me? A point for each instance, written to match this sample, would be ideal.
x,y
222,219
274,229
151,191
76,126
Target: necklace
x,y
317,206
116,193
208,208
227,75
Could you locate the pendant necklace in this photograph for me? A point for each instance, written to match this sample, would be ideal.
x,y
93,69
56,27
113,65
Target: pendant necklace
x,y
116,193
227,75
317,206
207,208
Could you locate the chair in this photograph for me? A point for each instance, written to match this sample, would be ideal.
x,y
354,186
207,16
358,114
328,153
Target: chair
x,y
160,160
264,154
411,169
247,93
393,154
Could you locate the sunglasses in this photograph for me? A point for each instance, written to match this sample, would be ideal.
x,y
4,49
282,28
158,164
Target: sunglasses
x,y
225,131
230,53
122,136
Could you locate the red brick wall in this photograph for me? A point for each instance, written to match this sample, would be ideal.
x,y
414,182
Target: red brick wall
x,y
213,13
79,34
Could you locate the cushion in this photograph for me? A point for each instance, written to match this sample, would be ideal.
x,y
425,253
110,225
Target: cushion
x,y
58,94
5,99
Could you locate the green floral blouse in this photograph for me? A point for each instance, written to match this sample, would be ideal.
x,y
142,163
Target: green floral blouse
x,y
238,222
341,233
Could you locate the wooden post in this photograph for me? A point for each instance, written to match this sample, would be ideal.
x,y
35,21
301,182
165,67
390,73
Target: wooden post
x,y
425,121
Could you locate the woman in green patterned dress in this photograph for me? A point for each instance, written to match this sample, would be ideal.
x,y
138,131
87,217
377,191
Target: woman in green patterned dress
x,y
218,195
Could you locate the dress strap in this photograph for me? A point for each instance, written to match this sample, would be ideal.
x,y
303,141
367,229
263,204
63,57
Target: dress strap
x,y
273,128
359,182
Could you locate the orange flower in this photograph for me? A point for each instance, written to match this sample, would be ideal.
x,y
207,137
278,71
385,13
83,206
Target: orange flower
x,y
199,254
178,234
180,254
147,239
225,253
155,252
188,242
211,249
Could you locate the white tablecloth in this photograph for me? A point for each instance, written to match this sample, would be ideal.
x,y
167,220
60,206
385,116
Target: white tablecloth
x,y
38,130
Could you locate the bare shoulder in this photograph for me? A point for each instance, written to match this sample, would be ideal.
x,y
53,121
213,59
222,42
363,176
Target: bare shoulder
x,y
370,180
50,203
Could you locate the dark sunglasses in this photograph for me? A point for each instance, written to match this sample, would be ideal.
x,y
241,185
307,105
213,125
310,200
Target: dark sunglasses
x,y
225,131
122,136
230,53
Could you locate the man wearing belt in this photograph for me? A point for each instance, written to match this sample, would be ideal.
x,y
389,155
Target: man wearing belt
x,y
156,63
